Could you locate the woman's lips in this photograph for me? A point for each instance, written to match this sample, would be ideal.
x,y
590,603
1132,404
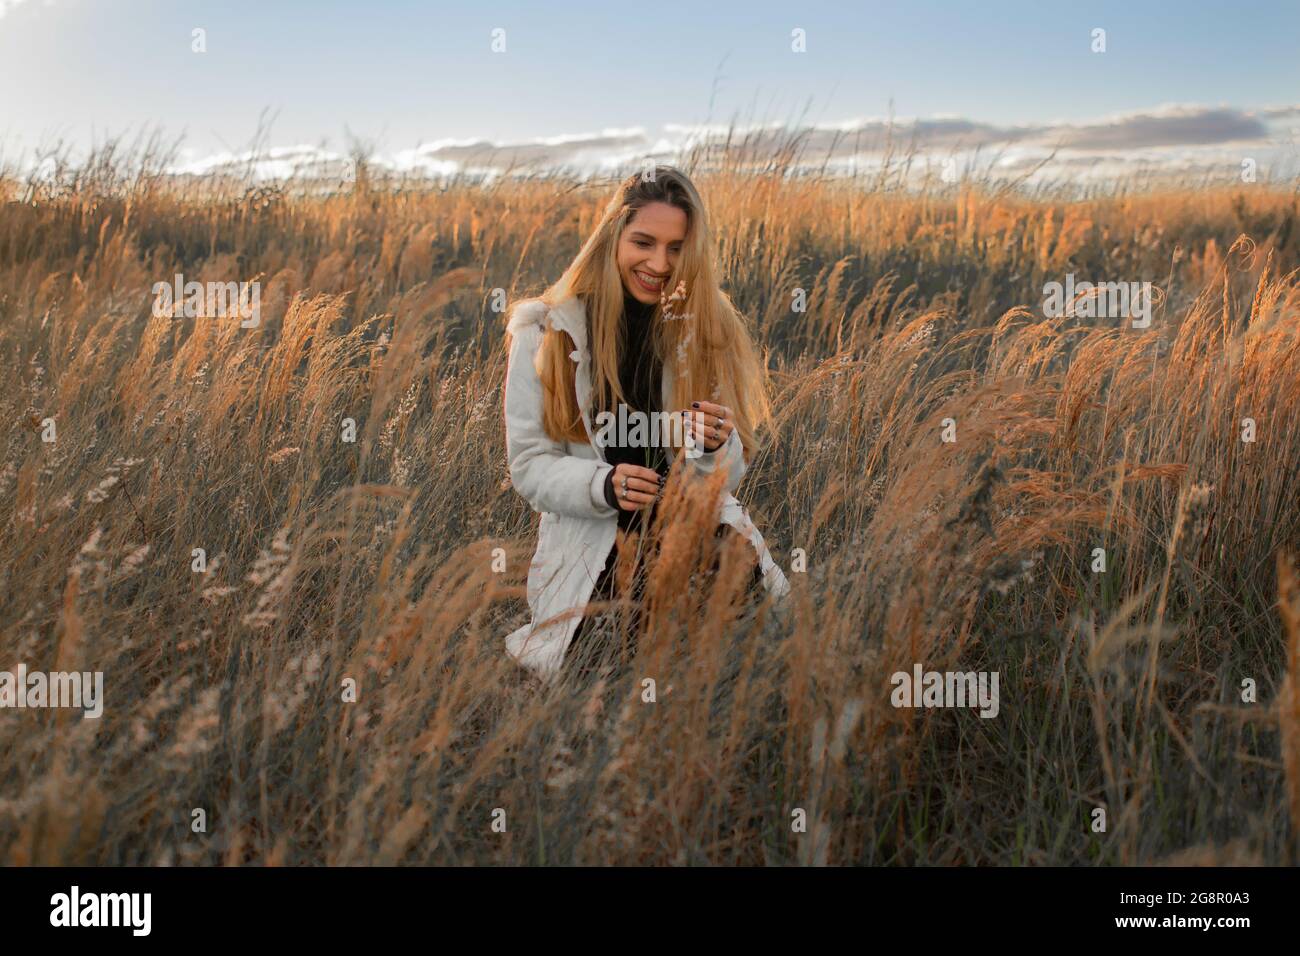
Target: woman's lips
x,y
641,279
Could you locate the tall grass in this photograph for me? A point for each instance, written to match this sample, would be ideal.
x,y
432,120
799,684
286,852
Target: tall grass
x,y
374,560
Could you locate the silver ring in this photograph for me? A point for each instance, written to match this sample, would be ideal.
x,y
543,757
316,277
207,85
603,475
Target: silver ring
x,y
623,484
622,492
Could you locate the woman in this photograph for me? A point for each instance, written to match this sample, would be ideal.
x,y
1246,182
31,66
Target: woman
x,y
608,334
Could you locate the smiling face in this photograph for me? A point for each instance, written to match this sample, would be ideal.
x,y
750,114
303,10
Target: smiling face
x,y
648,249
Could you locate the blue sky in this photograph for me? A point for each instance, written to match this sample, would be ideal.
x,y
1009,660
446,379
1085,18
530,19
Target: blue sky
x,y
402,73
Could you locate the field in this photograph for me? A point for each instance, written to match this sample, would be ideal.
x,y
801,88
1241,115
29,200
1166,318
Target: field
x,y
1160,690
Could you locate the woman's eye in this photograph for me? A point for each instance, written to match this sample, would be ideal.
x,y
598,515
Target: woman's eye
x,y
642,243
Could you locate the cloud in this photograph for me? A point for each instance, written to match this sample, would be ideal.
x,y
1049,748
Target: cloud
x,y
1172,138
1180,126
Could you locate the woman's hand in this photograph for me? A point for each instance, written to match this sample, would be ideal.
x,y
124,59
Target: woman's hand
x,y
635,487
711,424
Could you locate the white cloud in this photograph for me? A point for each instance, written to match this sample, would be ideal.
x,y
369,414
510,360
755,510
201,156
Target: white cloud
x,y
1170,137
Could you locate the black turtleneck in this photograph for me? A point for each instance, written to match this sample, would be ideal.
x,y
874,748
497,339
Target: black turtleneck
x,y
639,374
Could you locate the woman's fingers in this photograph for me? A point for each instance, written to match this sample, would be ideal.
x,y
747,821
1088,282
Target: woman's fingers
x,y
714,423
708,434
634,498
711,409
710,430
635,471
705,434
635,487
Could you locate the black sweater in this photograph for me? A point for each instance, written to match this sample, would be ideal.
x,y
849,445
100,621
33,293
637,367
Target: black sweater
x,y
640,375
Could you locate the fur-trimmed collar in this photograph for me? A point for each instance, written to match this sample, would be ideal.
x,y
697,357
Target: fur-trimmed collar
x,y
567,316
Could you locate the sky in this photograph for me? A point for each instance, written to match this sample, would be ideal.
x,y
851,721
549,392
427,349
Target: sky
x,y
418,82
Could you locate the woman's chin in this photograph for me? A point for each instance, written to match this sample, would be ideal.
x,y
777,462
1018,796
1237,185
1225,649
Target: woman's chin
x,y
639,292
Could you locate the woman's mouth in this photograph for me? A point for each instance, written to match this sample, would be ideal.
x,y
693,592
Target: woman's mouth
x,y
648,282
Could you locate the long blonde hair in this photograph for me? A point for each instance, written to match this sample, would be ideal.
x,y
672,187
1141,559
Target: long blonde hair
x,y
712,352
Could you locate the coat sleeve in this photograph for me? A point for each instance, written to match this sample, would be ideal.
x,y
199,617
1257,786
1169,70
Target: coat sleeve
x,y
549,479
729,456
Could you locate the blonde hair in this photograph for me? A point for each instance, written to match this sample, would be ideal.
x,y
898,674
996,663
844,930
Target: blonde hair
x,y
714,357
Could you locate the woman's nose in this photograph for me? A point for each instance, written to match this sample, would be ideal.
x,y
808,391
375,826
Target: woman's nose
x,y
659,261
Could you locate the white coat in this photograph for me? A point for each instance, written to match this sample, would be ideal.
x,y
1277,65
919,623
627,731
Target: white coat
x,y
565,482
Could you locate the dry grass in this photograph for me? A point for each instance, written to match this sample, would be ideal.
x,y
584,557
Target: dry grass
x,y
373,560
